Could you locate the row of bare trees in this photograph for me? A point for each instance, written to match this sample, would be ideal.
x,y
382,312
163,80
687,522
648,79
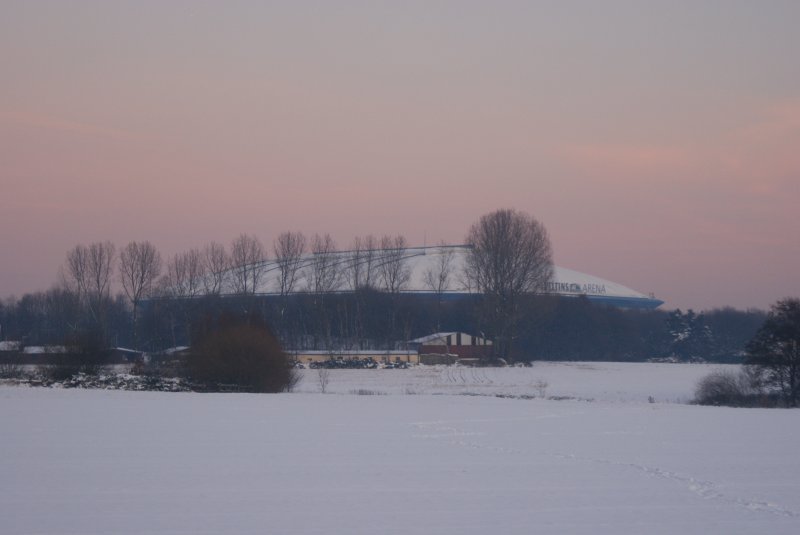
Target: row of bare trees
x,y
300,264
89,272
314,266
509,256
371,263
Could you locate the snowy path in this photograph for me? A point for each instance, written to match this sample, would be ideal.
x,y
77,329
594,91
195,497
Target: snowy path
x,y
128,462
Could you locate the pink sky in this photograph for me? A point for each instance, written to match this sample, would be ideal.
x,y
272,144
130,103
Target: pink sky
x,y
659,142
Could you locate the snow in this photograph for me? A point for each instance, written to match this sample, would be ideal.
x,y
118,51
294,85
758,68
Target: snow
x,y
435,337
95,461
598,381
7,345
41,350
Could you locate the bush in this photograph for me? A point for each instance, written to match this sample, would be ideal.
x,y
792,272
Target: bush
x,y
10,366
86,353
240,357
729,388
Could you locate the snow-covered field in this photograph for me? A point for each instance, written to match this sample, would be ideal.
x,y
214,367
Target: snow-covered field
x,y
599,381
92,461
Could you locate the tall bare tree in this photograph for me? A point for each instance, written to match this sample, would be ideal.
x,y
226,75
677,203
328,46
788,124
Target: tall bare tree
x,y
324,271
394,270
185,279
185,274
88,270
75,271
323,276
510,256
101,268
139,267
394,274
438,276
361,272
289,249
216,263
247,264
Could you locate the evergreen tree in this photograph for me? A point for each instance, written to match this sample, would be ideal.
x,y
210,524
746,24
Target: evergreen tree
x,y
775,350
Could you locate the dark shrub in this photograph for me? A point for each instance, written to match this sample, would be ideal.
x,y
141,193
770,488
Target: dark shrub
x,y
241,357
86,352
733,389
10,366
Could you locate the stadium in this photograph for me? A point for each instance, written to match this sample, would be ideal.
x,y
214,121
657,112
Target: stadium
x,y
420,267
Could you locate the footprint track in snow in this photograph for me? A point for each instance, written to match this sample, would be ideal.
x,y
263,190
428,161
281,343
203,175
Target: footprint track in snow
x,y
705,489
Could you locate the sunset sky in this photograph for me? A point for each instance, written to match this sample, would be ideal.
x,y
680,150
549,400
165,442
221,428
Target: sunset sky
x,y
659,142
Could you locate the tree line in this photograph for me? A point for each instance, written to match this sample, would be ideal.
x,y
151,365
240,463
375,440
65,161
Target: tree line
x,y
508,265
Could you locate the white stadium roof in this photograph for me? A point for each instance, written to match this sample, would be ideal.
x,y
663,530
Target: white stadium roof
x,y
421,260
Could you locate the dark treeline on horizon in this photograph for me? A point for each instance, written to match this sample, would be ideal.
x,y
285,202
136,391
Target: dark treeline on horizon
x,y
551,328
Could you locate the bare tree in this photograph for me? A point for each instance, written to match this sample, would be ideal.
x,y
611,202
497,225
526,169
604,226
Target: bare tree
x,y
438,276
361,271
324,377
248,264
394,274
185,274
510,256
324,272
139,267
289,249
75,272
185,279
216,263
362,274
323,276
101,267
88,271
394,271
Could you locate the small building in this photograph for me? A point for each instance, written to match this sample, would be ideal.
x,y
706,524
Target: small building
x,y
437,348
459,344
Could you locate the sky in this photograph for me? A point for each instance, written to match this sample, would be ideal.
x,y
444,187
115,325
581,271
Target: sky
x,y
658,142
